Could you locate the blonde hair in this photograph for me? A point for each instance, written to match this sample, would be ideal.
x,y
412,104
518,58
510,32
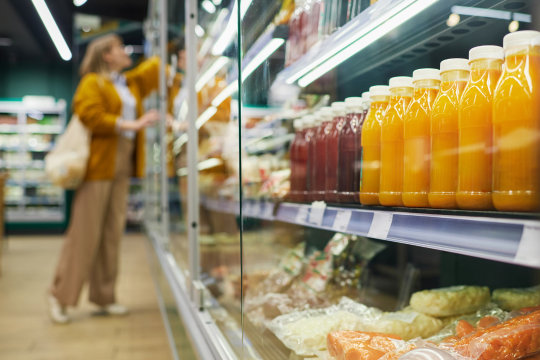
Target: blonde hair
x,y
93,61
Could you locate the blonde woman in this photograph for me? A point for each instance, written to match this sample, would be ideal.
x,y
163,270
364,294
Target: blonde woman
x,y
109,103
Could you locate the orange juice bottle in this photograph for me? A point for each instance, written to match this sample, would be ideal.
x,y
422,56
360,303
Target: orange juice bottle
x,y
516,126
371,146
444,134
476,129
401,90
417,140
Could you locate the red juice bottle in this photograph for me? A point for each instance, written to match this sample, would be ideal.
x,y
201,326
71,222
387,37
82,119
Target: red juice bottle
x,y
313,158
319,175
293,155
304,28
332,142
316,22
308,123
294,33
348,183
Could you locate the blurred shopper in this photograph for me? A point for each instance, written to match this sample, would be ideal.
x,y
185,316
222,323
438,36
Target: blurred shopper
x,y
109,103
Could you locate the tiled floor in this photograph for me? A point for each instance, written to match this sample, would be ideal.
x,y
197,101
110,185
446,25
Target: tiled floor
x,y
26,333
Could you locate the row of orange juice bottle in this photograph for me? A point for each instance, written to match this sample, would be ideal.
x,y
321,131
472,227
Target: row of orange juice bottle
x,y
466,136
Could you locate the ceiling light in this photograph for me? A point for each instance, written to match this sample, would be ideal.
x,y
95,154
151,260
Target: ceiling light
x,y
264,54
211,72
489,13
216,2
6,42
208,6
367,37
52,28
86,28
453,20
199,31
79,2
514,26
217,24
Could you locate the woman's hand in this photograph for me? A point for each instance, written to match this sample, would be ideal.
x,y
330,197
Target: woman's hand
x,y
150,118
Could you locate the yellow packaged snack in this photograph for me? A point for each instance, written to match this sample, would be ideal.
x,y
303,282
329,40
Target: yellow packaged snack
x,y
450,301
407,324
515,299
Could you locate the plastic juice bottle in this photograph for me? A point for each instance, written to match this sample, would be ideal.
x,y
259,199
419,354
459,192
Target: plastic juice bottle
x,y
304,27
319,178
338,112
293,155
476,129
348,184
516,126
366,104
303,163
312,157
371,145
309,124
316,21
391,190
417,140
294,33
445,136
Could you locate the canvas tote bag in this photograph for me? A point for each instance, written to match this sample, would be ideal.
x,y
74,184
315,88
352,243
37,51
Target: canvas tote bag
x,y
66,164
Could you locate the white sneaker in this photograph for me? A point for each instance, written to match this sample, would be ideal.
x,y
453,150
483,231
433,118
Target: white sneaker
x,y
115,309
57,312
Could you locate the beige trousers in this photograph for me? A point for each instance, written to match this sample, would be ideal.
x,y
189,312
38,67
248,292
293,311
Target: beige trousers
x,y
91,247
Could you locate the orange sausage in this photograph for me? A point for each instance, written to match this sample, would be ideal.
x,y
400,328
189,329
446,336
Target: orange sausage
x,y
463,328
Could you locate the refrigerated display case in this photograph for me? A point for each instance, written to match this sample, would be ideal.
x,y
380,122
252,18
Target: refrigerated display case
x,y
295,122
28,129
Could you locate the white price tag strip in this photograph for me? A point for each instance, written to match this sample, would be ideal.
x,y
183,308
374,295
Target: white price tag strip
x,y
302,215
342,220
256,209
317,212
529,246
380,226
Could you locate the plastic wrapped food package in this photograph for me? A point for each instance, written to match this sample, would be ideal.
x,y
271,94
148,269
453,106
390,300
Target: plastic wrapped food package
x,y
450,301
305,332
513,339
407,324
358,345
515,299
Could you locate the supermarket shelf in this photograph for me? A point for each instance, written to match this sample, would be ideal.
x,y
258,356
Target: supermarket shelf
x,y
16,106
34,164
488,236
31,129
36,200
29,183
34,216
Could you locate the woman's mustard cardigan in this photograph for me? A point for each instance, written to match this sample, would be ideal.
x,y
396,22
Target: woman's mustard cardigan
x,y
98,106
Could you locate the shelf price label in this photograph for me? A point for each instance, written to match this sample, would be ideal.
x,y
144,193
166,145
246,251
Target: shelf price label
x,y
302,215
529,246
317,212
380,226
268,210
342,220
256,209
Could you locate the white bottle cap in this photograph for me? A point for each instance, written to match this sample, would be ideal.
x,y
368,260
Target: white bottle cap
x,y
455,64
339,109
486,52
379,90
327,113
318,118
519,38
338,105
354,101
401,81
426,74
535,41
366,96
308,121
297,124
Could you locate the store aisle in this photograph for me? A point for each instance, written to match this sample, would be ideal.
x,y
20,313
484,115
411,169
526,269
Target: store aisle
x,y
26,333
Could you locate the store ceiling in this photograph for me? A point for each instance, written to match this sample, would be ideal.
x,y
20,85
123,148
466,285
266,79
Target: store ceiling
x,y
30,41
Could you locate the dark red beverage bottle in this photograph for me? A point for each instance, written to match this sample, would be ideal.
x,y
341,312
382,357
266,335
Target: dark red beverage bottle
x,y
348,176
303,154
293,156
319,140
312,158
332,143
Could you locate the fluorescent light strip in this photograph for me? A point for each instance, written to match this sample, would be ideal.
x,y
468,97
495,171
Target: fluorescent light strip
x,y
199,31
52,28
366,40
526,18
205,116
228,34
228,91
352,39
205,47
182,139
203,165
264,54
79,2
489,13
219,20
211,72
208,6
